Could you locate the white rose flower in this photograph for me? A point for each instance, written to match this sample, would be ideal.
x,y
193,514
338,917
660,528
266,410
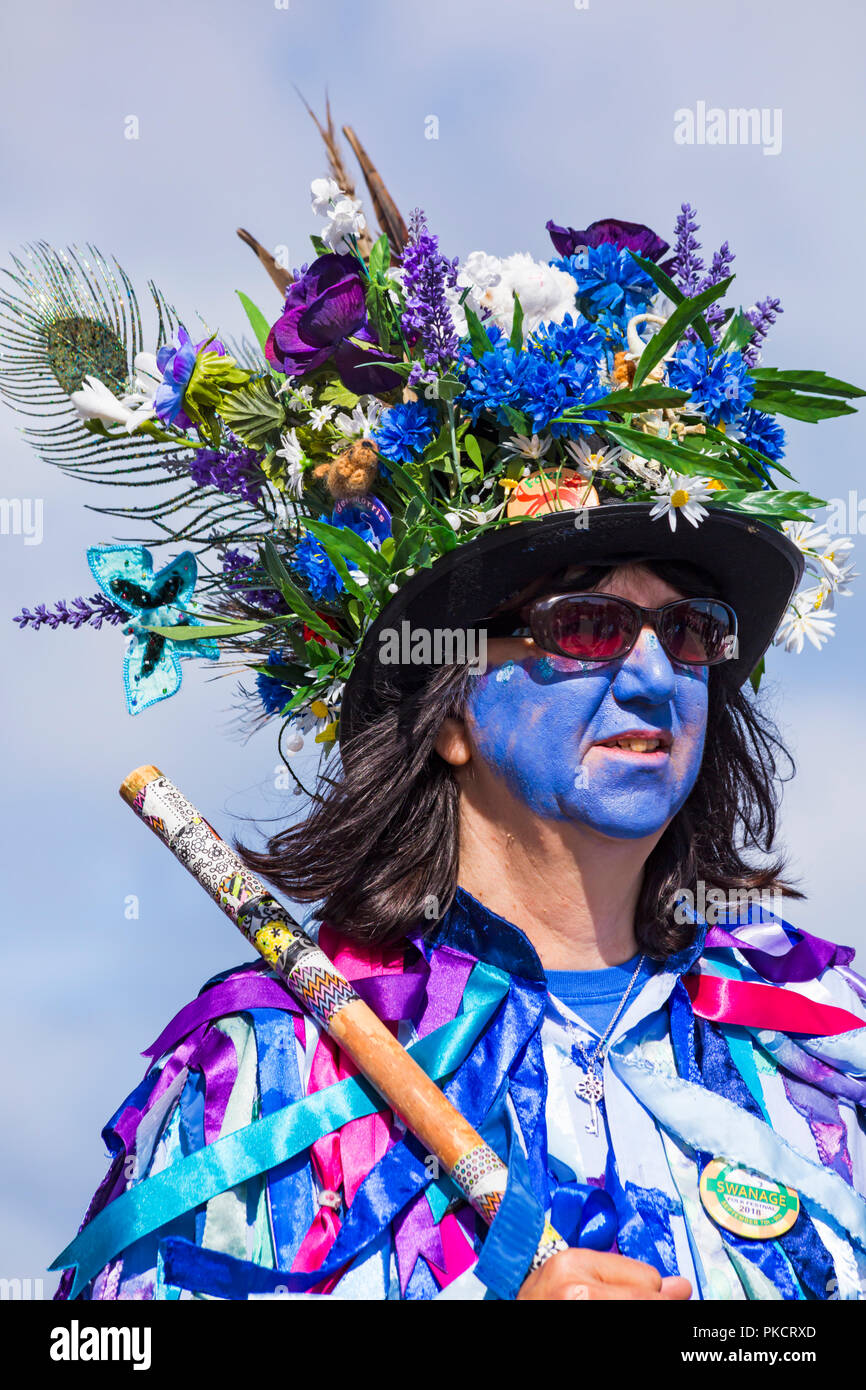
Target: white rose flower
x,y
546,293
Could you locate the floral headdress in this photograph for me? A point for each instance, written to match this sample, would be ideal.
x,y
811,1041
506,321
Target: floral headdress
x,y
400,404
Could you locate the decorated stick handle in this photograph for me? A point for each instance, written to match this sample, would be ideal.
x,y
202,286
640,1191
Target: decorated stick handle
x,y
321,990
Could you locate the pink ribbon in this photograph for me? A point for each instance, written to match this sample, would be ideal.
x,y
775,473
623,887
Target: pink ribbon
x,y
762,1006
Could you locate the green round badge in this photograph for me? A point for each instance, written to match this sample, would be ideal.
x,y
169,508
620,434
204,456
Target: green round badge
x,y
747,1203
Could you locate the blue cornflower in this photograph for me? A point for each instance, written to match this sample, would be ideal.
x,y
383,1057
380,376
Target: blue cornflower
x,y
720,385
577,338
491,382
609,278
762,432
405,431
272,693
311,562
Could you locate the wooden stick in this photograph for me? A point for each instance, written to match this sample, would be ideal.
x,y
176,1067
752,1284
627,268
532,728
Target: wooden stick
x,y
387,212
281,278
321,989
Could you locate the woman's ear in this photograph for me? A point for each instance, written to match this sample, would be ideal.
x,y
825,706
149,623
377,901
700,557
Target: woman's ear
x,y
452,742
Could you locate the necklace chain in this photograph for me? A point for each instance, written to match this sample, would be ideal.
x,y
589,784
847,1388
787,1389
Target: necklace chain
x,y
591,1087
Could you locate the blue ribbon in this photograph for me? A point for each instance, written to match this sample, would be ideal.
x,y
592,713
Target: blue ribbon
x,y
267,1142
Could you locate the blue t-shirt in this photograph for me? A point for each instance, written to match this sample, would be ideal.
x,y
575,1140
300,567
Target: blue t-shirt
x,y
594,995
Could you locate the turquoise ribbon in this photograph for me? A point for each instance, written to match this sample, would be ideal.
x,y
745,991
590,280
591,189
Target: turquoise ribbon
x,y
266,1142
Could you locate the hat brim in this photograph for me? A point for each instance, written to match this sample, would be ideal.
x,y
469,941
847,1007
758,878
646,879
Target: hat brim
x,y
753,567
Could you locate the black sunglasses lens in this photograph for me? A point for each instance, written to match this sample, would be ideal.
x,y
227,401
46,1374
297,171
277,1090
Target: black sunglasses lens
x,y
592,627
698,632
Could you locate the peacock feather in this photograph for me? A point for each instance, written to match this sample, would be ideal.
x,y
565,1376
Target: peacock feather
x,y
70,314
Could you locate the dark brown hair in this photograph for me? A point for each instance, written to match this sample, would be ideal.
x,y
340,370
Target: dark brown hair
x,y
381,841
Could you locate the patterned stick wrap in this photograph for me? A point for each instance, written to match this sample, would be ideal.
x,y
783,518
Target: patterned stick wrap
x,y
315,982
482,1177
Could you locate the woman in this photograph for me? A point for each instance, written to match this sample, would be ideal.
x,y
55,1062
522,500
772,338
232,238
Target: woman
x,y
676,1088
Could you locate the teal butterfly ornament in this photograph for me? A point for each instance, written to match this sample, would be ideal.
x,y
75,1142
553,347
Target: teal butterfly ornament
x,y
151,664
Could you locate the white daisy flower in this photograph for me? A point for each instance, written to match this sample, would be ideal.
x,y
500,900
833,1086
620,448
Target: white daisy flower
x,y
807,617
808,536
362,421
295,459
299,394
832,562
678,493
320,415
592,461
523,447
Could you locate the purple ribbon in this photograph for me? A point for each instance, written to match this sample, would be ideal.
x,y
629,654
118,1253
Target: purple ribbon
x,y
770,951
416,1233
250,990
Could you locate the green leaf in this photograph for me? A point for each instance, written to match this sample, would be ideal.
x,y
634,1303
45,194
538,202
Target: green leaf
x,y
782,506
819,382
319,246
625,402
755,677
748,454
516,339
335,393
291,593
380,256
438,448
185,632
671,332
444,537
801,407
516,420
408,483
341,541
473,449
675,295
258,322
252,413
477,333
739,331
680,458
448,388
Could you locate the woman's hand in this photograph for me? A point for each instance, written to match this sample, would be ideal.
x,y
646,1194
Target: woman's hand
x,y
591,1274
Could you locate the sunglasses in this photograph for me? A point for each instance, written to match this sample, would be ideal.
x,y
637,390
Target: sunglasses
x,y
605,627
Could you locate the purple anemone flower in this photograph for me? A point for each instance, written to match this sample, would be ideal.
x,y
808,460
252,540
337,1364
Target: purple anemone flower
x,y
626,236
176,365
323,310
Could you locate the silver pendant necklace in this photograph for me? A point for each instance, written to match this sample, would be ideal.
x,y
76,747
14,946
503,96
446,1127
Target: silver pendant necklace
x,y
590,1087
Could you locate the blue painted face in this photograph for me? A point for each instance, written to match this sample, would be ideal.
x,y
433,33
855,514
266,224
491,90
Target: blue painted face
x,y
539,721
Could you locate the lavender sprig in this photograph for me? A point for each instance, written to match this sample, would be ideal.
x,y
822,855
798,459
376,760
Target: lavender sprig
x,y
763,316
240,565
718,271
232,471
426,277
687,265
95,610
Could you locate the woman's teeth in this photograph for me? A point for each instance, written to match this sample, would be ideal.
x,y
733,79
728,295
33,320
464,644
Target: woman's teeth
x,y
636,745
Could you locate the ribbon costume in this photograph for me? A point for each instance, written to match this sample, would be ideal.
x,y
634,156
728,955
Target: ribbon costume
x,y
360,1203
409,446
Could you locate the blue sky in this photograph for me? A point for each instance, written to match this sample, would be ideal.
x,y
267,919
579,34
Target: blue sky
x,y
544,110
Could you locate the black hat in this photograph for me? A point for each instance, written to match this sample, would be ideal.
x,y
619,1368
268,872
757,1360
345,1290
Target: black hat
x,y
752,566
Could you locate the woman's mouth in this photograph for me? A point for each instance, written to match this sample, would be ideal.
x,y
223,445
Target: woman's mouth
x,y
643,744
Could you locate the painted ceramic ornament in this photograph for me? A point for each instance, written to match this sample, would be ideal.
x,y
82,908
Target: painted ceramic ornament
x,y
542,492
747,1203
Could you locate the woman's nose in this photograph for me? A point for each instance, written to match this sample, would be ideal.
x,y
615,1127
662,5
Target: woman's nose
x,y
646,673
